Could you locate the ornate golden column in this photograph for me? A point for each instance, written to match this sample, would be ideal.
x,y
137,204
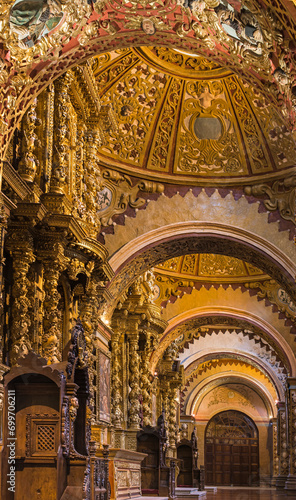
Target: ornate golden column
x,y
61,144
92,174
134,373
116,380
88,315
54,262
282,445
28,165
172,418
146,389
20,244
290,486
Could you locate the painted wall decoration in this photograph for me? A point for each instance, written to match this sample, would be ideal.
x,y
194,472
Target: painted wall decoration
x,y
104,387
31,20
104,199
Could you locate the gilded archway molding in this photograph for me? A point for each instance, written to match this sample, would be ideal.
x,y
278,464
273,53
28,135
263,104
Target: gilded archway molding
x,y
89,28
200,390
253,362
236,355
158,245
181,321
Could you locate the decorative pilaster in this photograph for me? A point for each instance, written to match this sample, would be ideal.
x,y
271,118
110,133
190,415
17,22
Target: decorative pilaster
x,y
92,178
134,374
92,142
71,406
282,446
86,316
290,486
36,298
275,458
79,168
61,148
28,165
20,244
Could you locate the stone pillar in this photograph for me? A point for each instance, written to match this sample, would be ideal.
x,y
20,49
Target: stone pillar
x,y
20,244
282,446
290,486
275,458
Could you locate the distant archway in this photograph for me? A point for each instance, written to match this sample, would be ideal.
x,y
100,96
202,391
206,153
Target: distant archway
x,y
231,450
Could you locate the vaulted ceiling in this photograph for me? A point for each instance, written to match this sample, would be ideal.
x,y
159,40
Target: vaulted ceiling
x,y
183,118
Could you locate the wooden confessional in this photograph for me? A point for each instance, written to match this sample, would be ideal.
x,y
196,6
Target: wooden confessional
x,y
157,477
54,458
189,474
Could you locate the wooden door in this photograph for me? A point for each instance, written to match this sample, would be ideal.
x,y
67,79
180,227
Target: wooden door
x,y
184,453
149,444
231,450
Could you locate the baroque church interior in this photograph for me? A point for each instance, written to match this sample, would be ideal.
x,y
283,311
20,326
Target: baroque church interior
x,y
148,258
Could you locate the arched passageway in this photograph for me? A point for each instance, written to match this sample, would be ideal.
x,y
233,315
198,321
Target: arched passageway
x,y
231,450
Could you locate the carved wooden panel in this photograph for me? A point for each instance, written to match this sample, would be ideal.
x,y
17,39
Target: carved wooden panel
x,y
42,433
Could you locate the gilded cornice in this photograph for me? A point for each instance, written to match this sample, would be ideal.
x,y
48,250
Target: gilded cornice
x,y
186,332
15,182
272,291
